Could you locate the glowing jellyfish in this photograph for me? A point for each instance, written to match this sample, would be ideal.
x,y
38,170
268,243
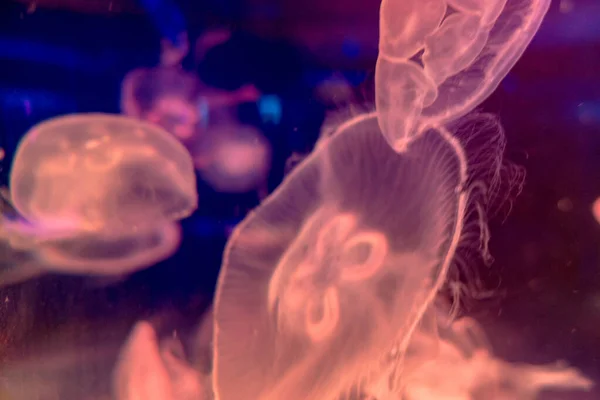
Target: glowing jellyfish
x,y
233,158
166,96
179,102
596,209
334,270
439,59
96,193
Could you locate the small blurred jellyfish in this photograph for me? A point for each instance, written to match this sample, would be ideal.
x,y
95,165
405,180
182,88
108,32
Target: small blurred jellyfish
x,y
177,100
230,156
337,267
439,59
166,96
596,209
149,370
234,158
94,194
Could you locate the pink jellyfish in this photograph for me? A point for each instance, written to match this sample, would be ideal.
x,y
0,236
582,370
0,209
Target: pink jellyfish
x,y
337,267
97,194
439,59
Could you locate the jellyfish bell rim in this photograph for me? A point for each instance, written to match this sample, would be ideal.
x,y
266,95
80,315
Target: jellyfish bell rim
x,y
170,235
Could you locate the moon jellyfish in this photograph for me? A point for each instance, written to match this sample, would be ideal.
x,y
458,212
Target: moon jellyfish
x,y
439,59
334,270
233,158
165,96
203,120
123,170
96,194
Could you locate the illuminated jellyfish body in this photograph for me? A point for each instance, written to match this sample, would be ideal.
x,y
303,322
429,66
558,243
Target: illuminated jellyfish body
x,y
335,269
439,59
166,96
233,158
97,194
326,287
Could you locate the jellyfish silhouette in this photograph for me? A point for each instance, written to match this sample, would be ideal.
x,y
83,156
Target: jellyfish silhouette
x,y
439,59
97,194
335,269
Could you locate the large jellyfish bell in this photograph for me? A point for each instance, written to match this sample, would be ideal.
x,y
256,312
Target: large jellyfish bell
x,y
335,269
98,193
